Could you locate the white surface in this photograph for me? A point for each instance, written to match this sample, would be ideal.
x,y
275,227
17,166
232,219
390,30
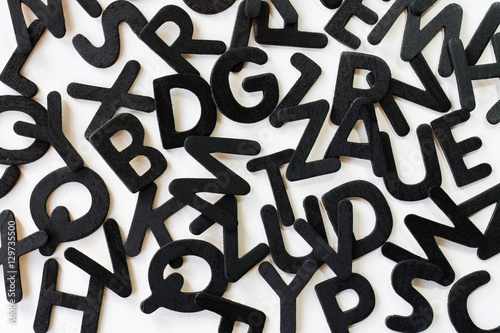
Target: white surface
x,y
55,64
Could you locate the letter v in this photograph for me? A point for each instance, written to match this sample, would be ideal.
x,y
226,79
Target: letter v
x,y
340,262
119,280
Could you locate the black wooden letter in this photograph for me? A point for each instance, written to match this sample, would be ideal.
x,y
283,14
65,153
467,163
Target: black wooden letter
x,y
119,161
49,297
165,113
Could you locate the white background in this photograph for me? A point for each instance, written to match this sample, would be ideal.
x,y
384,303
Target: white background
x,y
55,64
